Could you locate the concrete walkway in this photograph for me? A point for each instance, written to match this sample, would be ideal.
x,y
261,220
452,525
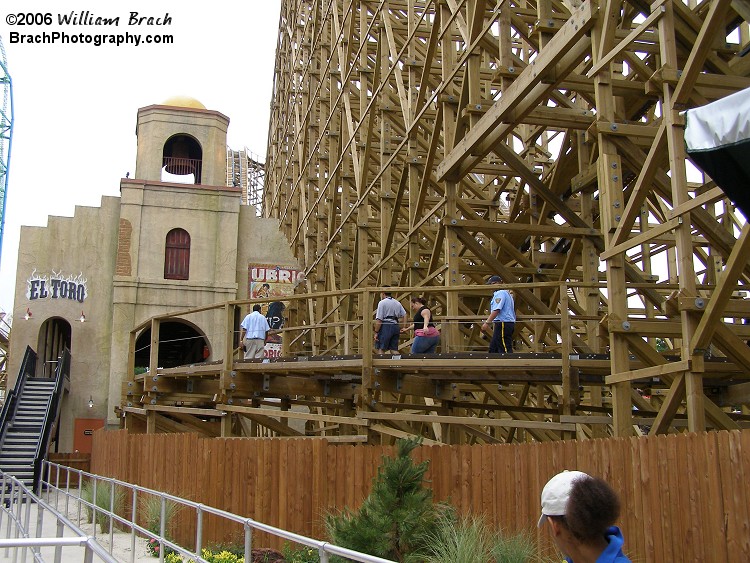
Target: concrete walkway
x,y
119,546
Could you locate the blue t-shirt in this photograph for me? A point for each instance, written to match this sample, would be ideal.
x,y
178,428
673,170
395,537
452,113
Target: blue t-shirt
x,y
613,552
503,302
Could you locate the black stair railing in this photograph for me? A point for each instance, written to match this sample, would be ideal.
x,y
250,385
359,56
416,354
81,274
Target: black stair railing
x,y
28,369
50,417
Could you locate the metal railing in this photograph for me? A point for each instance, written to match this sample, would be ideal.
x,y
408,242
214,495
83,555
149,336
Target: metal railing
x,y
28,369
54,473
17,505
62,372
183,167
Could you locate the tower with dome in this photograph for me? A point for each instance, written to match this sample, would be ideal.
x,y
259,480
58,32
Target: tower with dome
x,y
179,236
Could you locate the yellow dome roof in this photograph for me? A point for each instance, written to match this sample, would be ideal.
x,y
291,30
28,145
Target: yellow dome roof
x,y
183,102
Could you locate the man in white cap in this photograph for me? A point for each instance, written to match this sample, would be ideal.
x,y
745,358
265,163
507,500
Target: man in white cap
x,y
581,511
502,319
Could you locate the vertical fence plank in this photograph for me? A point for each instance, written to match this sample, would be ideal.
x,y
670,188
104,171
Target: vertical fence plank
x,y
334,496
358,470
656,499
622,471
319,487
487,477
304,472
444,473
705,453
678,489
669,525
276,480
645,485
743,522
467,479
741,545
635,503
282,496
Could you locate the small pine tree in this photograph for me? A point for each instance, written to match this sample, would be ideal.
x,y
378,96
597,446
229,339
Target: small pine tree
x,y
396,519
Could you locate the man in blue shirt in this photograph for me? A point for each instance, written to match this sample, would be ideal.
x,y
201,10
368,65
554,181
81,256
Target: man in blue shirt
x,y
502,319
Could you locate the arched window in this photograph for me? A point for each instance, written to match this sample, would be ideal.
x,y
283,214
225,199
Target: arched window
x,y
177,255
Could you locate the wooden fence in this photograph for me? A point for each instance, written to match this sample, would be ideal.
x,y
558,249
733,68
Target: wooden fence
x,y
75,460
685,497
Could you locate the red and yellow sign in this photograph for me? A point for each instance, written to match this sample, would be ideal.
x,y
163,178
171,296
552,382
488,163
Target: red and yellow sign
x,y
269,281
266,280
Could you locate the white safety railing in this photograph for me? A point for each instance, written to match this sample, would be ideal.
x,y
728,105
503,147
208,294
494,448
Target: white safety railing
x,y
21,535
51,476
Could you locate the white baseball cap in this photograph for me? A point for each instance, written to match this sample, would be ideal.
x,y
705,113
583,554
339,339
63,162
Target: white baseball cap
x,y
556,493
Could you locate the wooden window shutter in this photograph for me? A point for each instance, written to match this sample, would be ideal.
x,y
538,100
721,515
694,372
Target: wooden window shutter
x,y
177,255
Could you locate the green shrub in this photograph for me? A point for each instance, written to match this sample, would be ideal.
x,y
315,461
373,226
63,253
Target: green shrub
x,y
396,519
149,507
302,554
208,555
467,540
87,495
235,547
221,557
514,548
103,501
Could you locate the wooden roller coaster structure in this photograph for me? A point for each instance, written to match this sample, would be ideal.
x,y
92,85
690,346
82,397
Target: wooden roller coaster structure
x,y
429,144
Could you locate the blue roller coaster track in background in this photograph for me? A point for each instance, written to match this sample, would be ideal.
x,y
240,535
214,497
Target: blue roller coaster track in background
x,y
6,136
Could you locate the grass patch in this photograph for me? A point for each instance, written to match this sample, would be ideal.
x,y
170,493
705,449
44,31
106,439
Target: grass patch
x,y
469,539
150,508
514,548
104,502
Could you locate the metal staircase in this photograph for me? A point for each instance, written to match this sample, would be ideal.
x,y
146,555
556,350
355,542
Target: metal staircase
x,y
28,418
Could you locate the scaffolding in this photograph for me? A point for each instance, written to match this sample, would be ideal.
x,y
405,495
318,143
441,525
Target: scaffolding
x,y
246,171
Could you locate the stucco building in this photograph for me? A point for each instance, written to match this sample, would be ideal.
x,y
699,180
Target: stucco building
x,y
178,237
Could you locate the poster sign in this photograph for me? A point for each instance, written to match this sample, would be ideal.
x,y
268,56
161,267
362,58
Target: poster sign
x,y
269,281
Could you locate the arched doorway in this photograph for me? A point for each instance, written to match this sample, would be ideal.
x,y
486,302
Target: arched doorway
x,y
54,337
180,343
182,159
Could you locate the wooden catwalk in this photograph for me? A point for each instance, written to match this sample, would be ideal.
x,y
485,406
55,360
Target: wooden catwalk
x,y
427,145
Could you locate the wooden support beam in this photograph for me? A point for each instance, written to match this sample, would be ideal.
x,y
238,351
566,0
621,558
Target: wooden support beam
x,y
716,308
469,421
565,50
649,373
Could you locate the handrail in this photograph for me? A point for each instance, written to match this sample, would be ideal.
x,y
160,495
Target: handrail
x,y
324,548
28,369
342,333
50,416
16,502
